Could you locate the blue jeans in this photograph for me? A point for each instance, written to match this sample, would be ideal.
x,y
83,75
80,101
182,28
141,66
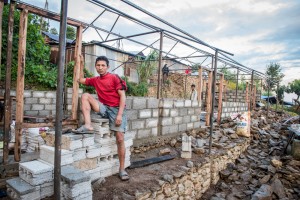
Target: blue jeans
x,y
111,113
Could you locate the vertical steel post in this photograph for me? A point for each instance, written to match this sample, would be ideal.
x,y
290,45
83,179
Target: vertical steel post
x,y
268,98
237,84
213,101
159,66
1,15
59,97
7,99
251,91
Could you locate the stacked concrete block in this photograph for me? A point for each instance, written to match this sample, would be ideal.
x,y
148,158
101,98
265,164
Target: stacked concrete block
x,y
47,154
20,189
75,184
232,108
186,151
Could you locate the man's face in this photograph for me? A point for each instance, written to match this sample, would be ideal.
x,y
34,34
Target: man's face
x,y
101,67
193,87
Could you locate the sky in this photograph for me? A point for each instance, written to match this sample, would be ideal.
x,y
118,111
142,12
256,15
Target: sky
x,y
257,32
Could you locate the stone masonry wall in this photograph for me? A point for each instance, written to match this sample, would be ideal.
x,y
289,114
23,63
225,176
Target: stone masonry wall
x,y
191,183
41,103
229,108
150,117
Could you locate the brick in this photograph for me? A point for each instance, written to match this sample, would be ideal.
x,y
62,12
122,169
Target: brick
x,y
150,123
167,121
138,124
152,103
38,94
145,113
144,133
31,100
174,112
164,103
139,103
154,112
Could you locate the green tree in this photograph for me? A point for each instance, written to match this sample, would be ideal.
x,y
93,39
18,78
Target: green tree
x,y
71,33
294,87
53,31
147,66
228,75
274,75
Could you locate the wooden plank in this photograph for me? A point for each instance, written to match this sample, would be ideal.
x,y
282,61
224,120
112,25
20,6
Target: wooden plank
x,y
20,81
220,98
200,85
76,74
208,98
48,14
247,95
1,16
7,100
150,161
49,124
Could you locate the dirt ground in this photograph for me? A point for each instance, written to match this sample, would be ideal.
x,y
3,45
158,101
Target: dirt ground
x,y
142,179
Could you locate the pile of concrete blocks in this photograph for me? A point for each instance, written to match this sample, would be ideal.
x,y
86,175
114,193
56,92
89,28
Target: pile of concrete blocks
x,y
186,147
84,158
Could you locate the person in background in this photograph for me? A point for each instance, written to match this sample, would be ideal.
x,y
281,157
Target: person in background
x,y
194,95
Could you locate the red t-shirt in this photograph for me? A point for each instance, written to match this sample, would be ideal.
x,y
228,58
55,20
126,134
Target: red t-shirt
x,y
107,87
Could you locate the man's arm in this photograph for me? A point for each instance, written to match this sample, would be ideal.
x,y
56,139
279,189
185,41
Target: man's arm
x,y
121,107
81,76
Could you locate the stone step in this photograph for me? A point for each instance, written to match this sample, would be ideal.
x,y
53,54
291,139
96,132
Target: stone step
x,y
20,189
47,155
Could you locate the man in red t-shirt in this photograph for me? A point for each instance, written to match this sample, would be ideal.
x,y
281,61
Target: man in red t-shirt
x,y
111,104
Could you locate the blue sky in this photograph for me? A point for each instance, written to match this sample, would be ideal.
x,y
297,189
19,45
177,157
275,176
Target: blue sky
x,y
257,32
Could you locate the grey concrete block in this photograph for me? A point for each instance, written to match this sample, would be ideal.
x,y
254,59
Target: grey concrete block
x,y
152,103
195,103
197,124
179,103
189,126
182,127
38,94
152,122
27,107
197,111
164,112
186,119
45,101
169,129
47,189
38,107
129,103
132,114
166,103
27,93
138,124
88,140
44,113
167,121
174,112
139,103
154,112
145,113
79,154
13,93
50,107
187,103
144,133
47,154
183,111
20,189
178,120
154,132
191,111
51,94
31,113
195,118
73,176
31,100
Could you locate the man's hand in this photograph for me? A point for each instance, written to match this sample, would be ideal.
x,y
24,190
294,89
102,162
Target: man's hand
x,y
118,120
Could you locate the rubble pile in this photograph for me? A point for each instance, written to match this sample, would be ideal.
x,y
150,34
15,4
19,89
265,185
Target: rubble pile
x,y
263,171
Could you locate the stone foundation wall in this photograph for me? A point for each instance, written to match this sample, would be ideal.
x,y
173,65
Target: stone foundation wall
x,y
191,183
41,103
229,108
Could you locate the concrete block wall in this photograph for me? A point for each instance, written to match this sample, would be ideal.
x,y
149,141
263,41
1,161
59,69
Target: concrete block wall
x,y
241,96
229,108
150,117
41,103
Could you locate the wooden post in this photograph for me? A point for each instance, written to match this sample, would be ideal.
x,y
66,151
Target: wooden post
x,y
225,91
20,81
159,90
1,15
200,85
185,80
247,95
208,98
220,98
254,97
76,74
7,99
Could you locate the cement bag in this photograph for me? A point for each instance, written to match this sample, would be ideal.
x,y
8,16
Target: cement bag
x,y
243,125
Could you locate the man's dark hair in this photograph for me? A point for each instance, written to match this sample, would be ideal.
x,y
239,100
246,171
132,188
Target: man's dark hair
x,y
102,58
193,85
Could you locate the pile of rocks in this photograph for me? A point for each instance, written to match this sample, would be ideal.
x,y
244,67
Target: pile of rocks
x,y
84,158
263,171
